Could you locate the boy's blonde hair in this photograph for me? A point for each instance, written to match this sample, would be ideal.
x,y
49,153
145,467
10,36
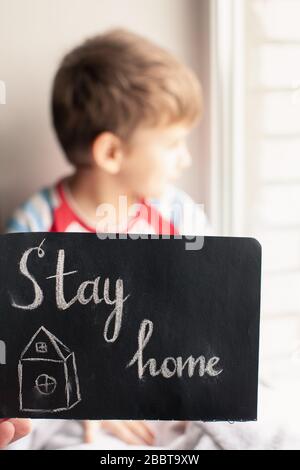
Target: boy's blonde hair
x,y
116,82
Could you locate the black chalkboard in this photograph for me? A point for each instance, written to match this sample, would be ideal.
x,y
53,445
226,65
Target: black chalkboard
x,y
129,328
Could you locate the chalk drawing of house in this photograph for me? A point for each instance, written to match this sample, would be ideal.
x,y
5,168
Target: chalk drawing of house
x,y
48,377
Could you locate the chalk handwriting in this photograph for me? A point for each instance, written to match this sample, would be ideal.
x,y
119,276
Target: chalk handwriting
x,y
113,322
89,292
171,366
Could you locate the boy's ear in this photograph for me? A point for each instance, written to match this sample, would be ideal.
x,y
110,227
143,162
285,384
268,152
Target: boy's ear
x,y
107,152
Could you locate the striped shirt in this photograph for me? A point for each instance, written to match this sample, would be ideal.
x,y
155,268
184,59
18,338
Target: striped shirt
x,y
54,210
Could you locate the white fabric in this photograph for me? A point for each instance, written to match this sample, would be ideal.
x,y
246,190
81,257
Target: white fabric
x,y
276,429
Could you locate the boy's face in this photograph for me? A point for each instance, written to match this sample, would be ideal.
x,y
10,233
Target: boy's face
x,y
154,158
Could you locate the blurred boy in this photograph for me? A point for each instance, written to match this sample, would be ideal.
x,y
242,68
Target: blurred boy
x,y
122,108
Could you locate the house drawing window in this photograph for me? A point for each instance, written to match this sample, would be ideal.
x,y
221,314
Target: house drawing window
x,y
41,348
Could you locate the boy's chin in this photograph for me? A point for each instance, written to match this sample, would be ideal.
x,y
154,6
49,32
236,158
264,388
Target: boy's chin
x,y
156,193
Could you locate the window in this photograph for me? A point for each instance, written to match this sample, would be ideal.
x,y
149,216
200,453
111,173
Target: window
x,y
273,169
41,348
256,71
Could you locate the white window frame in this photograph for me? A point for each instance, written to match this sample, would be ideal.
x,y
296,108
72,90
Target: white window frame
x,y
228,160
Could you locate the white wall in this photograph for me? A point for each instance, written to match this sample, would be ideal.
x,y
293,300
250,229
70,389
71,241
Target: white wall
x,y
34,34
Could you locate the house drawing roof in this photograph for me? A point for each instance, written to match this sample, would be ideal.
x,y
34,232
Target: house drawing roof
x,y
55,348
